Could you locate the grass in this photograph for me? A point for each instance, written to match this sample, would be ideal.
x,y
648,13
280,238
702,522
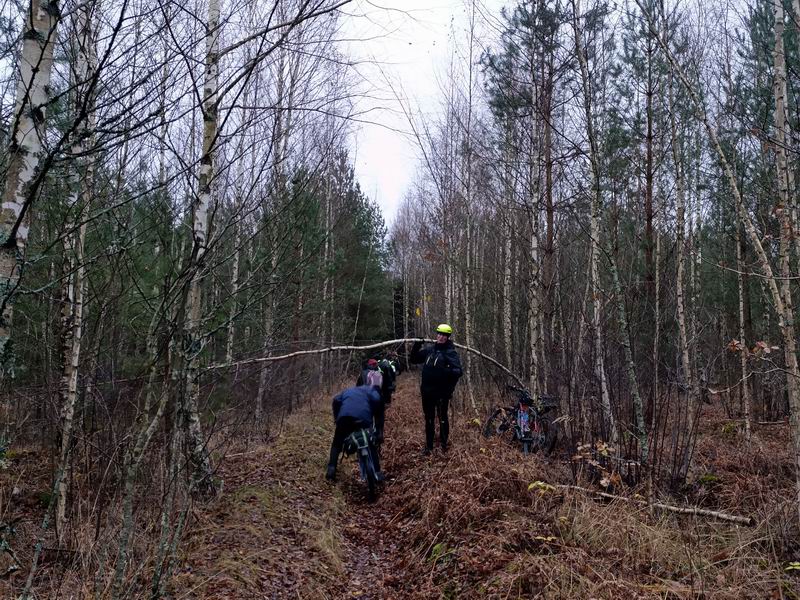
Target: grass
x,y
280,512
470,524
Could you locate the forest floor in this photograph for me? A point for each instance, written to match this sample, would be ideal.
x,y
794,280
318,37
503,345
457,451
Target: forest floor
x,y
466,524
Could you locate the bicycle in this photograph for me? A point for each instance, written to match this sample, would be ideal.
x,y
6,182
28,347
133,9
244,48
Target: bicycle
x,y
531,424
363,444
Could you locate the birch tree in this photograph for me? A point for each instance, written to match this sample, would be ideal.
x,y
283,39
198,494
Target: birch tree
x,y
24,175
78,204
596,214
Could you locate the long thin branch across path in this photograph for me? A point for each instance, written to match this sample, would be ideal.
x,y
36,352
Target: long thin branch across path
x,y
398,342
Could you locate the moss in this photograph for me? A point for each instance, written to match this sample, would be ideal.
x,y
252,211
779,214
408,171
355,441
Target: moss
x,y
708,479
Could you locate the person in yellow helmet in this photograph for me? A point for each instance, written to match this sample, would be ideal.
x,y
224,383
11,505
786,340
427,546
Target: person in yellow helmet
x,y
440,372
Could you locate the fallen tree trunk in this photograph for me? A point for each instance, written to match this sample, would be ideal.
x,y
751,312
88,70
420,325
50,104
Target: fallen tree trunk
x,y
686,510
398,342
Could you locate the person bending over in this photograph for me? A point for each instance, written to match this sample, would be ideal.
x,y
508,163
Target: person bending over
x,y
353,409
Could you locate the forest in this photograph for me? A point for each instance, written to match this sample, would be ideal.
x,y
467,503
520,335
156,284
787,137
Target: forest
x,y
604,206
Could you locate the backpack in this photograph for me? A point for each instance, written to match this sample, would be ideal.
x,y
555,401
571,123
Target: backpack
x,y
374,378
389,374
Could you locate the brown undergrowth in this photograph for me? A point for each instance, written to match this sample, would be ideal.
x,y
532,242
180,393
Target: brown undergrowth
x,y
469,524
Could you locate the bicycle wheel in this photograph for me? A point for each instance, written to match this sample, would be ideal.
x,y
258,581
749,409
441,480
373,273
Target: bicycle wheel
x,y
498,423
546,434
368,473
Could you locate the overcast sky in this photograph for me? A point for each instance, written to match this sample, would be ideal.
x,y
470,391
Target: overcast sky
x,y
411,43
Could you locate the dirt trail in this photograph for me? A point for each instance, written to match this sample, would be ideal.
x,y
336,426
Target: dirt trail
x,y
279,530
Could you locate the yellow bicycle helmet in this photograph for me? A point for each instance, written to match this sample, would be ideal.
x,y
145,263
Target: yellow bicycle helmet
x,y
445,329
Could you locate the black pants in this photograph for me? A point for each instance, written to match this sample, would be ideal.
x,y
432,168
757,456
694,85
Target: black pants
x,y
344,427
380,420
433,404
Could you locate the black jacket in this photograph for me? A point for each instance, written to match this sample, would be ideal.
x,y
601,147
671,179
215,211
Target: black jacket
x,y
441,369
389,376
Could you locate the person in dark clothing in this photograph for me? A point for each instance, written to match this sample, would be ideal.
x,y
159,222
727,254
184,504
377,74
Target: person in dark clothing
x,y
353,409
440,372
373,377
389,372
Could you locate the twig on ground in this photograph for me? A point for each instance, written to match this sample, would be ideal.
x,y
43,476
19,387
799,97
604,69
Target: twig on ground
x,y
686,510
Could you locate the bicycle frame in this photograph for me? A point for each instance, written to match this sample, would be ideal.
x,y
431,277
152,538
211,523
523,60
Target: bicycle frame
x,y
526,420
361,443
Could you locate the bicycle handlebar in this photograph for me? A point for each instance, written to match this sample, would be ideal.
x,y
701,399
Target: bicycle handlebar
x,y
547,399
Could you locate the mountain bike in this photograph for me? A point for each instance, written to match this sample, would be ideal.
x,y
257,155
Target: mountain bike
x,y
363,444
531,424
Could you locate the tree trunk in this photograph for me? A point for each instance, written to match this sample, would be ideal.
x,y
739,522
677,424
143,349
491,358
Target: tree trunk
x,y
534,310
597,206
680,289
787,234
743,339
200,213
73,293
630,365
656,338
25,148
467,179
231,337
508,249
649,175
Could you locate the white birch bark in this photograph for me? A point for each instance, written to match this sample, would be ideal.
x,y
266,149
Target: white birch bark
x,y
238,215
468,325
787,234
77,205
794,201
534,300
24,152
597,200
743,350
200,227
583,326
507,292
425,301
406,298
467,191
231,335
680,286
448,283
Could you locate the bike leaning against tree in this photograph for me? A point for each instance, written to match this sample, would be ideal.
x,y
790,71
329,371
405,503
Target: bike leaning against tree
x,y
531,424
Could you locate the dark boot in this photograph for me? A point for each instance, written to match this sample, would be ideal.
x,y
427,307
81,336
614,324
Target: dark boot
x,y
333,460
